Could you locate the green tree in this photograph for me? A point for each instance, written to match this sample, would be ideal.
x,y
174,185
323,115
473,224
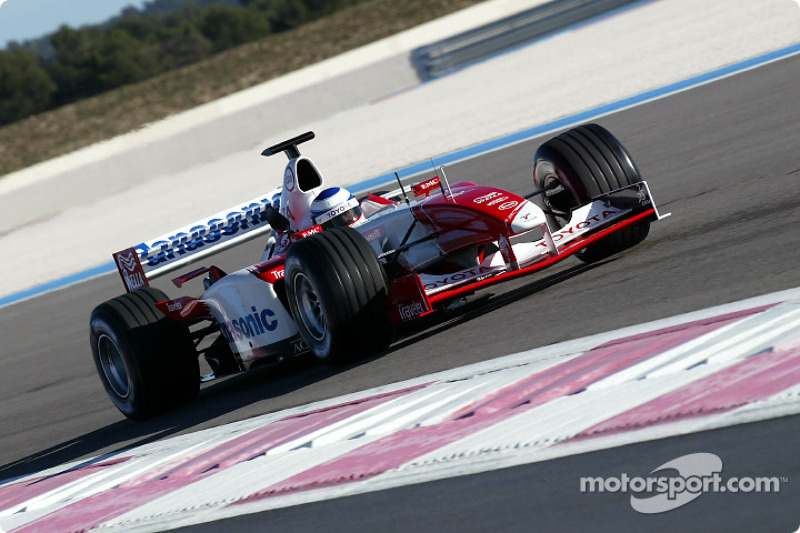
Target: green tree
x,y
227,26
140,27
121,59
73,67
166,34
25,88
88,62
282,14
182,46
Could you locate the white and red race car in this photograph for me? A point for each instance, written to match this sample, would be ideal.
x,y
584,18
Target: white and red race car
x,y
339,293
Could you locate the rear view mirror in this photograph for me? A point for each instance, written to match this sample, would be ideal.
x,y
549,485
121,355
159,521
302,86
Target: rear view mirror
x,y
277,220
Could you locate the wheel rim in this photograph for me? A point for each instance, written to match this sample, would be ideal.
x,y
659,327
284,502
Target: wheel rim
x,y
113,365
309,307
558,199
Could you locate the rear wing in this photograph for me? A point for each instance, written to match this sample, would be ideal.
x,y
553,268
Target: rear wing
x,y
207,236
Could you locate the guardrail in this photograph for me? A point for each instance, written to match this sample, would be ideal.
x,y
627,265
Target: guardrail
x,y
451,54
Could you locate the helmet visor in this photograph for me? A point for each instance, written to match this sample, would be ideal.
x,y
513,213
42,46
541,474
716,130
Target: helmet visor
x,y
345,219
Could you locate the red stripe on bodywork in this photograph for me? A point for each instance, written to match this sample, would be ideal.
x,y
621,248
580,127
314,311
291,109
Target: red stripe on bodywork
x,y
563,379
568,251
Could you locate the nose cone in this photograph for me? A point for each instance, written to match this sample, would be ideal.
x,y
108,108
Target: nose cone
x,y
527,217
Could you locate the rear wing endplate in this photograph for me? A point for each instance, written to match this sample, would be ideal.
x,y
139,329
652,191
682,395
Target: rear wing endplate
x,y
207,236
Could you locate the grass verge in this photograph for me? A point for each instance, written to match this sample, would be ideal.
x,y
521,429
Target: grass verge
x,y
63,130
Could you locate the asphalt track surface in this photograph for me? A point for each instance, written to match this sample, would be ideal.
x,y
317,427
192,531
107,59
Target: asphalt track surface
x,y
723,158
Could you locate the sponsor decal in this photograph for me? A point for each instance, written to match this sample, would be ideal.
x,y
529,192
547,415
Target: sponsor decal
x,y
496,201
272,276
425,187
643,198
464,275
497,197
282,244
306,233
577,229
131,270
407,300
270,271
219,228
338,211
525,217
299,347
256,323
174,306
127,261
134,281
487,197
410,311
375,234
288,179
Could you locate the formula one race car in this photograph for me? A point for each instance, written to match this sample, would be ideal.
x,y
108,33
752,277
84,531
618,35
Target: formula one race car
x,y
339,274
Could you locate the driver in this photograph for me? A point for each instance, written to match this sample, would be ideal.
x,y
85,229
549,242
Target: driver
x,y
336,207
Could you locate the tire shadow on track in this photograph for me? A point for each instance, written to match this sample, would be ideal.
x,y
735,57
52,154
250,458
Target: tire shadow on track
x,y
235,393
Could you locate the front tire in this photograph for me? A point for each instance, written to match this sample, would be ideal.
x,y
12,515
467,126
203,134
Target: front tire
x,y
577,166
147,363
336,286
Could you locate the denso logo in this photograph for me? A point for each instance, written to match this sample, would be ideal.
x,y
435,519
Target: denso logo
x,y
215,230
245,327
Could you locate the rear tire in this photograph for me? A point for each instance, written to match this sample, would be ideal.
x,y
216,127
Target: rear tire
x,y
147,363
583,163
336,287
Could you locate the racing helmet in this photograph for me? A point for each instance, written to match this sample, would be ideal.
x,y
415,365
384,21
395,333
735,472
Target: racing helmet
x,y
336,207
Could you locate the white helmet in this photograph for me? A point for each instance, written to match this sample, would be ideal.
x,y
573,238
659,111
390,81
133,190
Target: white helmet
x,y
336,207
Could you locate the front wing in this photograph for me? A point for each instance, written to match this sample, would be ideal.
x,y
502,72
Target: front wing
x,y
588,224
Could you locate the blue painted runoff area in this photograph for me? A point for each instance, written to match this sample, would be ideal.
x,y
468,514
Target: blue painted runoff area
x,y
478,149
58,284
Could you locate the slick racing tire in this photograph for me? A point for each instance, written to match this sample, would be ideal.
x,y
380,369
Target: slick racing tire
x,y
576,167
147,363
336,286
